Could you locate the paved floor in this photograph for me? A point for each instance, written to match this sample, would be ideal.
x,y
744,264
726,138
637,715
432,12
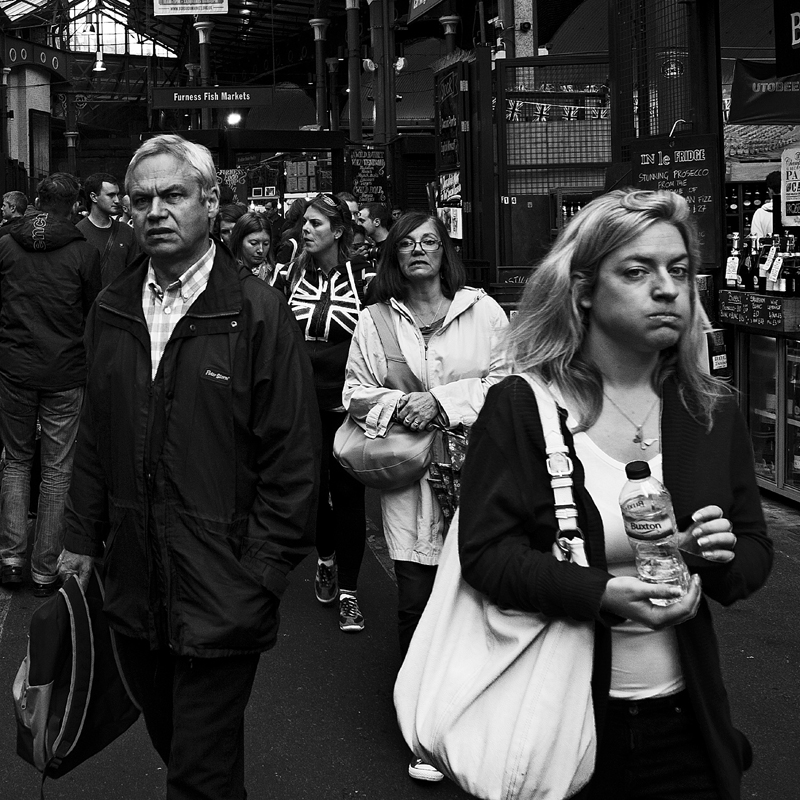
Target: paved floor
x,y
321,726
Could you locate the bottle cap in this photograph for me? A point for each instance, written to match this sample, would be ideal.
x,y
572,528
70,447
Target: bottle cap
x,y
636,470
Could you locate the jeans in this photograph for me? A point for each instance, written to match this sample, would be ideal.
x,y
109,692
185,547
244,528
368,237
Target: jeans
x,y
341,517
194,713
58,414
652,750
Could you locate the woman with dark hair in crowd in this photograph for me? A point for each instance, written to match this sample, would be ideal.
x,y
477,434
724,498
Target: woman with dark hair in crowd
x,y
326,293
250,244
452,339
611,322
291,242
225,220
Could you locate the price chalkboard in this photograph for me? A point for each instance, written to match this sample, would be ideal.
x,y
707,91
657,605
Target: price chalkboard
x,y
368,174
689,166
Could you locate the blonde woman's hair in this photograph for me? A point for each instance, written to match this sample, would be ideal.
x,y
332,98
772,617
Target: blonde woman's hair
x,y
547,335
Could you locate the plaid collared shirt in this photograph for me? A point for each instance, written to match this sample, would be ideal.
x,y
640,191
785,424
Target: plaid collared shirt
x,y
164,308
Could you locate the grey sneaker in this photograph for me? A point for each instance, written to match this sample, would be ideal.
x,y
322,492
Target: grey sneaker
x,y
351,620
326,583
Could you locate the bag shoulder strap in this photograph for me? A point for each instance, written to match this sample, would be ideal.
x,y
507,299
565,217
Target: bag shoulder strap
x,y
80,689
109,244
560,468
400,375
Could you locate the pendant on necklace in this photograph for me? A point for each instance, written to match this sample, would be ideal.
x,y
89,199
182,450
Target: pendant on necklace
x,y
640,440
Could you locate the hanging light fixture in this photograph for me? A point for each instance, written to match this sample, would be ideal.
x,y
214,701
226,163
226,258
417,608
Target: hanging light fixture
x,y
98,62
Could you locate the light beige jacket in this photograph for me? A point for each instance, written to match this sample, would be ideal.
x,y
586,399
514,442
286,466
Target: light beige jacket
x,y
461,361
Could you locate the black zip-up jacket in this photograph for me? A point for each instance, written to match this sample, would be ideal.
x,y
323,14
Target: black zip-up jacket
x,y
49,278
199,489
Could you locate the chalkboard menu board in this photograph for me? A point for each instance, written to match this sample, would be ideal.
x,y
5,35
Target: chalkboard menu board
x,y
689,166
760,311
368,173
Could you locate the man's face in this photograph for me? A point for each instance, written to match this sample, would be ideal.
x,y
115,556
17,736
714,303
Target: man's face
x,y
170,218
107,199
8,210
226,227
366,220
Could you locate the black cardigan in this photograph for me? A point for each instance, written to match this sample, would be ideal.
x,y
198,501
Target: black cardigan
x,y
507,526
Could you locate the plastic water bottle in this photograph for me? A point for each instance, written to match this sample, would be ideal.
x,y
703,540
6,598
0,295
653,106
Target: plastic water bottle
x,y
650,524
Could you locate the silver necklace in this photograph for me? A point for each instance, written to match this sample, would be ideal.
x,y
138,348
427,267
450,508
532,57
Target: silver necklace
x,y
435,314
639,437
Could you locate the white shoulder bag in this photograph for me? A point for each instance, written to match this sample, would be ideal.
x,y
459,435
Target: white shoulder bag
x,y
498,699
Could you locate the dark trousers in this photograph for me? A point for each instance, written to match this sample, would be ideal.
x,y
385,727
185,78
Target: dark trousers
x,y
341,518
414,587
652,750
194,712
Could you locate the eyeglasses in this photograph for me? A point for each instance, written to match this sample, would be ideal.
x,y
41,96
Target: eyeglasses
x,y
428,244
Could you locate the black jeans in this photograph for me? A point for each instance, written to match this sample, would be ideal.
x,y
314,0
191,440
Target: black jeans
x,y
341,518
194,712
652,750
414,587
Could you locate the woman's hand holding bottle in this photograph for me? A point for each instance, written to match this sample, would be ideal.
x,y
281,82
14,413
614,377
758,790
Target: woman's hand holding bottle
x,y
632,599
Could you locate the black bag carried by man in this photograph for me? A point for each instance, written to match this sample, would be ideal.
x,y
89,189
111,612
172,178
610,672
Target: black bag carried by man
x,y
70,700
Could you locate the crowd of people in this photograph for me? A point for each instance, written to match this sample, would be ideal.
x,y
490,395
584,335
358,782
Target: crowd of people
x,y
186,421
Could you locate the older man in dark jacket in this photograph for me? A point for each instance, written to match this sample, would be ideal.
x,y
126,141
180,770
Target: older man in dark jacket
x,y
195,476
49,278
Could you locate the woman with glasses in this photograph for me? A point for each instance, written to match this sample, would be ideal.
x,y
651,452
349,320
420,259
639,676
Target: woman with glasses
x,y
326,285
250,242
451,337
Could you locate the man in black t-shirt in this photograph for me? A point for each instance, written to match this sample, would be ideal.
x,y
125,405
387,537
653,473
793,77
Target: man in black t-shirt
x,y
113,240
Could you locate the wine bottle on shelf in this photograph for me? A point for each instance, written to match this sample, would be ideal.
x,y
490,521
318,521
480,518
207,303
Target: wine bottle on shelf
x,y
751,279
732,265
757,199
733,199
745,261
747,199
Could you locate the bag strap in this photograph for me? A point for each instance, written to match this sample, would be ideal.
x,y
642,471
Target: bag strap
x,y
80,690
357,284
401,375
560,468
109,244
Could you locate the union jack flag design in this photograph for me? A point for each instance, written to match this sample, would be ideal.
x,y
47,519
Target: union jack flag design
x,y
541,112
326,308
514,110
570,112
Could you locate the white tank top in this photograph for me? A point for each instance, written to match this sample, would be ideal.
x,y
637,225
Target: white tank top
x,y
644,663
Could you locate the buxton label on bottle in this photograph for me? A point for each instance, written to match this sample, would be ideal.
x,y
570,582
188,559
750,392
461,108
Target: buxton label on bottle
x,y
649,528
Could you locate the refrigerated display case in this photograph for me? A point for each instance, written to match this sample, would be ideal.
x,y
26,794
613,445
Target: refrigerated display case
x,y
762,394
768,378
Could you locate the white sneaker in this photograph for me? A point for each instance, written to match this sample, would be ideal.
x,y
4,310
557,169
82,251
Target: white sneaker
x,y
421,771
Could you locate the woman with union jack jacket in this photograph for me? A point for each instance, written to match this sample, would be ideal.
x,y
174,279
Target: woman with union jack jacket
x,y
326,285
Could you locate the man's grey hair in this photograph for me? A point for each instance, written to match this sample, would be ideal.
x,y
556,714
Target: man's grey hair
x,y
196,156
